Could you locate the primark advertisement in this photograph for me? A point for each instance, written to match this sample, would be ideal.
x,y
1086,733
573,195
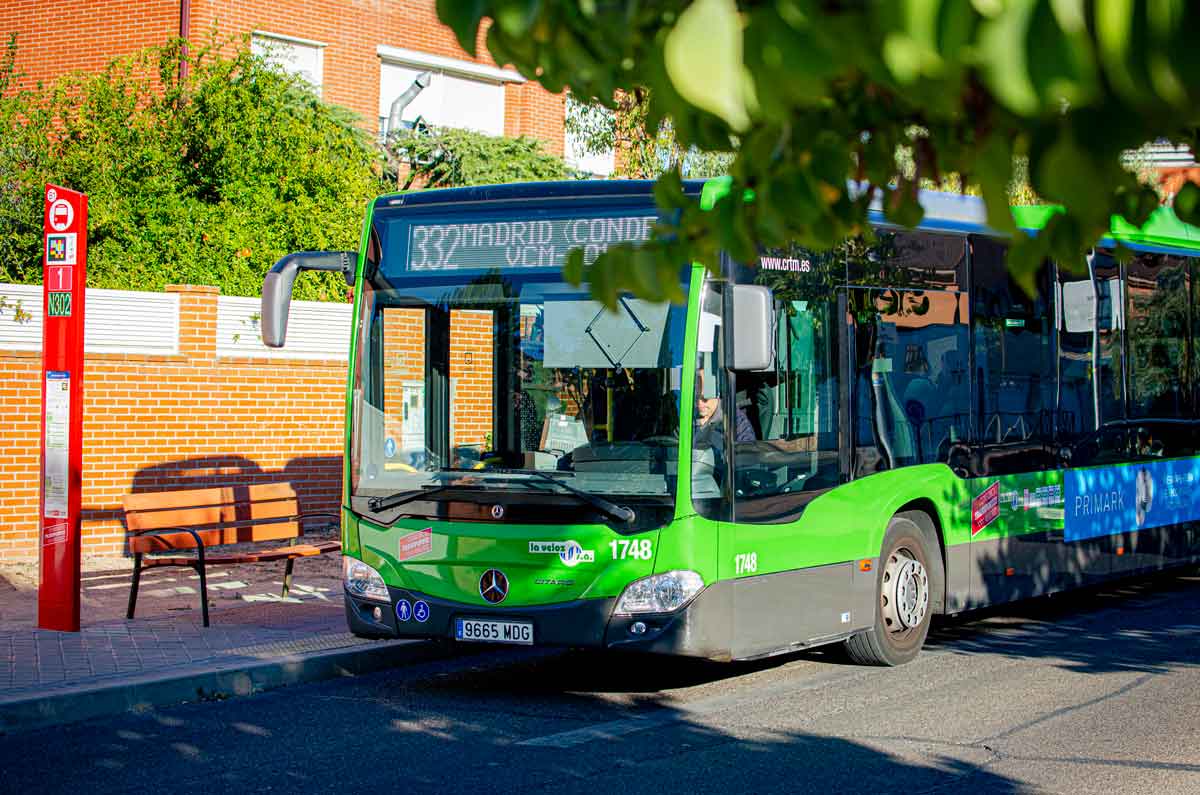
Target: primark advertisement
x,y
1108,500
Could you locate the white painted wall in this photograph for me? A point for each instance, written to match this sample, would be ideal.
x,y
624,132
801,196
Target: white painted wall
x,y
316,330
115,321
126,321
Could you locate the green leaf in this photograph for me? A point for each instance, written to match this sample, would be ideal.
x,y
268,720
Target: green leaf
x,y
904,56
994,170
703,57
1004,52
642,278
1065,173
1025,257
1114,20
601,278
1187,203
668,191
516,17
573,266
902,206
462,17
1061,60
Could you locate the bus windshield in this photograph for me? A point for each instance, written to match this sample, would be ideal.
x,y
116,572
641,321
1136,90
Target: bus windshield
x,y
477,363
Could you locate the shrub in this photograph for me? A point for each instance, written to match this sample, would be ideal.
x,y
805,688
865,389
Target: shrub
x,y
203,180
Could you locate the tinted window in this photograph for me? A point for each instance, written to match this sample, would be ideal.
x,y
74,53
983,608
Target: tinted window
x,y
711,401
1158,321
1091,320
787,448
912,396
922,260
1014,363
1110,288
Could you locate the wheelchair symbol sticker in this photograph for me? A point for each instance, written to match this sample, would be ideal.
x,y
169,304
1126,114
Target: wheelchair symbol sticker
x,y
421,611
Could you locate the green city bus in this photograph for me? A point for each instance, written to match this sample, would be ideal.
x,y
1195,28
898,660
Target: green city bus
x,y
818,447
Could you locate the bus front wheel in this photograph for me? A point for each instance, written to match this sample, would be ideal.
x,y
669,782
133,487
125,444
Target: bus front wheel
x,y
903,604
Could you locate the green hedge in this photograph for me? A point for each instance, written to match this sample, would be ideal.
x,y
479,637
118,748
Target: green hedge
x,y
211,178
207,180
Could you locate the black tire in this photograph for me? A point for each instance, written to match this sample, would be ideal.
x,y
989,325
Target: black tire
x,y
892,641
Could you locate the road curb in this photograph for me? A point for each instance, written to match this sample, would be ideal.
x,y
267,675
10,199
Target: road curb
x,y
71,705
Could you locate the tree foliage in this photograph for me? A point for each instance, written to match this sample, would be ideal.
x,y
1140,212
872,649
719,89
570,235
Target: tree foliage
x,y
202,180
447,158
640,153
813,93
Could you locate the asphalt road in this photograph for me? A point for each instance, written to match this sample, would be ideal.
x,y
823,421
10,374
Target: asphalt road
x,y
1096,692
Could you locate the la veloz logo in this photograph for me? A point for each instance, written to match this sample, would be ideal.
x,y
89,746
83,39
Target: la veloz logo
x,y
570,552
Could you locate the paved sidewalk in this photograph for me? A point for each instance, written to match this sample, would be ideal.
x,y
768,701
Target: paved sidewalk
x,y
256,640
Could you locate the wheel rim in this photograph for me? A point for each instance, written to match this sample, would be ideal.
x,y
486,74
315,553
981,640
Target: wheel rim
x,y
904,598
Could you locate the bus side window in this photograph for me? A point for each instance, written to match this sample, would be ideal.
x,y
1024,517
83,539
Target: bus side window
x,y
786,447
710,396
1014,366
402,385
1091,383
1158,287
912,379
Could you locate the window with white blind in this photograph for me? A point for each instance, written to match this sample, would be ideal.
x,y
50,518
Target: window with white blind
x,y
300,57
462,94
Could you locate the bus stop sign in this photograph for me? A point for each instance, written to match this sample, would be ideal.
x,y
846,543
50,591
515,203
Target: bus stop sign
x,y
63,279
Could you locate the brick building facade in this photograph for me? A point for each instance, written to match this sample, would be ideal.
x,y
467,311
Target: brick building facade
x,y
186,420
359,53
198,407
200,415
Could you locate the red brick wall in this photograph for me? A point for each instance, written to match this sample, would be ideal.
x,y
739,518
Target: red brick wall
x,y
55,36
403,361
193,420
183,421
471,337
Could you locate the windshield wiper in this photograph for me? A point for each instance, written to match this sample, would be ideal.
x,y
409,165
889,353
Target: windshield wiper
x,y
612,510
378,504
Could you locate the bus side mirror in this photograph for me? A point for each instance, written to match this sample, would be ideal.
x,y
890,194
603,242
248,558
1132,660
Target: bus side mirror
x,y
277,286
753,328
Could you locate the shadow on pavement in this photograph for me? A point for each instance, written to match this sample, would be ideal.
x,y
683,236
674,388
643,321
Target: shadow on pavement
x,y
321,745
1136,625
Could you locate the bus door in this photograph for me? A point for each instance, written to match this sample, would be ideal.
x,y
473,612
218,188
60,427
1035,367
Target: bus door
x,y
1091,411
792,583
1018,548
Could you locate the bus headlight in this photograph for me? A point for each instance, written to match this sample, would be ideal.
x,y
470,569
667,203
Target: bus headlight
x,y
659,593
363,581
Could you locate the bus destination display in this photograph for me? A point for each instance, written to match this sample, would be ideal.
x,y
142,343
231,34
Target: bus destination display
x,y
518,244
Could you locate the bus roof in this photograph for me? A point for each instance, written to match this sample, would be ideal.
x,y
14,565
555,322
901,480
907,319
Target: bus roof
x,y
955,212
518,191
948,212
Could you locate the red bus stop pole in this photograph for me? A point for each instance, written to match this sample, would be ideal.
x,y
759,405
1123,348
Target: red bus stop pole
x,y
64,276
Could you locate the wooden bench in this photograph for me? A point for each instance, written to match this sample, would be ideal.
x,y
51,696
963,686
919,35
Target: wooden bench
x,y
163,523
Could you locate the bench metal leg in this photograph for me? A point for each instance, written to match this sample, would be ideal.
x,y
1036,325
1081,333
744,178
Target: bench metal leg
x,y
203,586
137,578
287,577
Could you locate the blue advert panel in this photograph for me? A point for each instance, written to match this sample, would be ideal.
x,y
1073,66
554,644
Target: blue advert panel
x,y
1118,499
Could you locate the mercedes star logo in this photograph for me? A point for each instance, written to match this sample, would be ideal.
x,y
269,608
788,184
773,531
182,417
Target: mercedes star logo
x,y
497,512
493,586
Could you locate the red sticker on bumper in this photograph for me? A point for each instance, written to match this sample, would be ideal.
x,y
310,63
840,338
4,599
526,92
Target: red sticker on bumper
x,y
417,543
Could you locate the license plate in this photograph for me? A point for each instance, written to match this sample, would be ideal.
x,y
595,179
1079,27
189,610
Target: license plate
x,y
488,631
